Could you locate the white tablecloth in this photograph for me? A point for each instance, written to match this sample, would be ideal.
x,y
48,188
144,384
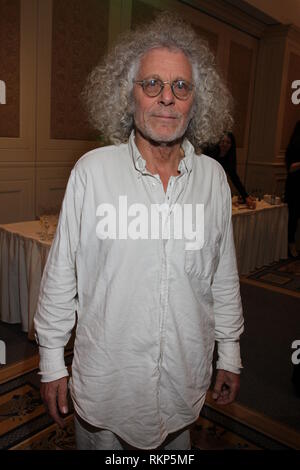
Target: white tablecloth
x,y
260,238
22,259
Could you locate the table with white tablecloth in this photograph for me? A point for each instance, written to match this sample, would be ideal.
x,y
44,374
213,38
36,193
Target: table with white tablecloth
x,y
260,235
22,259
260,239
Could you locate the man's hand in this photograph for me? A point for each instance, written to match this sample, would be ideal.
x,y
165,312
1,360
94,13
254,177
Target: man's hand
x,y
54,395
226,387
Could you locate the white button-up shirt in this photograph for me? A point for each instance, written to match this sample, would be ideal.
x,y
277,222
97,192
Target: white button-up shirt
x,y
149,308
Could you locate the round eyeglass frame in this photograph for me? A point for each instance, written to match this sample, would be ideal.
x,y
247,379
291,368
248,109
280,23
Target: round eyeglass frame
x,y
162,84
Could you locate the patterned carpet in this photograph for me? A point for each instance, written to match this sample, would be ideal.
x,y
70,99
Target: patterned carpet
x,y
25,425
283,276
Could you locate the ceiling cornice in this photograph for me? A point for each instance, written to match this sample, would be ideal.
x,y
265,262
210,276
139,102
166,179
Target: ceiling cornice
x,y
229,14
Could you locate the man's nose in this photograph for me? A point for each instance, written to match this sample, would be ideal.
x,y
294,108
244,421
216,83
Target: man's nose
x,y
166,95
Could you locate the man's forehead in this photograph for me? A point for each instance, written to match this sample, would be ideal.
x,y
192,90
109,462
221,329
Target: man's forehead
x,y
161,60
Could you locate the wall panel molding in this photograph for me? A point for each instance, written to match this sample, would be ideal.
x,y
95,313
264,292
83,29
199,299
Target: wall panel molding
x,y
16,194
17,164
10,67
267,95
23,146
269,178
48,148
265,163
78,41
239,81
51,183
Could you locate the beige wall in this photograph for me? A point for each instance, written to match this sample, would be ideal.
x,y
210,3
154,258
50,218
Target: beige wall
x,y
274,115
54,44
72,37
47,49
17,118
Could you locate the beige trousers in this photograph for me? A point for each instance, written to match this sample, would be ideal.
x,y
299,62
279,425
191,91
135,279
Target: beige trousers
x,y
91,438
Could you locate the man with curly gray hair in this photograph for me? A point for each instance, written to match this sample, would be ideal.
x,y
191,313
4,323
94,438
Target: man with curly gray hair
x,y
144,252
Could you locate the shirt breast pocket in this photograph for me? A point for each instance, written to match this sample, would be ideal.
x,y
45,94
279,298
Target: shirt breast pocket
x,y
202,263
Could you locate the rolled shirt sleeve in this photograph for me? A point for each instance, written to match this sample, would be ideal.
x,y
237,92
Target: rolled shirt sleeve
x,y
229,322
56,310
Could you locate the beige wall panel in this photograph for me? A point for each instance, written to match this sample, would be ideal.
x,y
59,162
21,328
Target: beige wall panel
x,y
79,40
10,67
208,24
119,19
22,148
145,10
16,194
236,47
62,150
210,37
266,103
50,187
233,46
142,13
239,81
273,110
266,177
263,171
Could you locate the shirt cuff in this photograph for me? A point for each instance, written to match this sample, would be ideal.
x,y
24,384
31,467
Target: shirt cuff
x,y
229,357
52,364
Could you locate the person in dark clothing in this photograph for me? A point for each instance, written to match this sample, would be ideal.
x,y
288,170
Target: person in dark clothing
x,y
292,188
225,154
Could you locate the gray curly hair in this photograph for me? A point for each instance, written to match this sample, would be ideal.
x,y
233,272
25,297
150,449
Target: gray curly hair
x,y
108,93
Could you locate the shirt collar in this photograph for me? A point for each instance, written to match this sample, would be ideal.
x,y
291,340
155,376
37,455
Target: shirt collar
x,y
185,164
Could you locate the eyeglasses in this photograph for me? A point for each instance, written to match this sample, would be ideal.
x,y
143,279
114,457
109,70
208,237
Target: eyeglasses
x,y
152,87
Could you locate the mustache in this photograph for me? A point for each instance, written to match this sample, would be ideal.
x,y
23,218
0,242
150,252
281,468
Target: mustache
x,y
165,114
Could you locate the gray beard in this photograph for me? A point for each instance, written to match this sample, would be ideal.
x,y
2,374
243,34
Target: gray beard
x,y
178,135
151,135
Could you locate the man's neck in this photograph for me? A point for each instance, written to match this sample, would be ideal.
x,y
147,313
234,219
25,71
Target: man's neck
x,y
162,159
